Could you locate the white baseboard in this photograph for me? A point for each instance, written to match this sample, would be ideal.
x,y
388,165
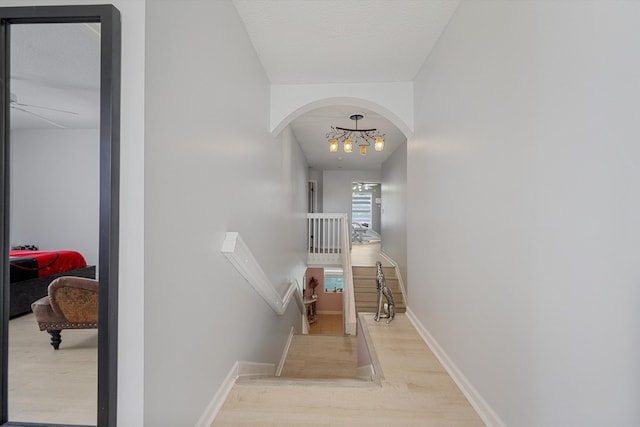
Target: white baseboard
x,y
486,413
284,352
214,406
250,369
398,275
388,258
239,369
305,325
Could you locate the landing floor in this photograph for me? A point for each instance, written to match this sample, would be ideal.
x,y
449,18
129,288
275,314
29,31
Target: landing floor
x,y
321,356
415,391
366,255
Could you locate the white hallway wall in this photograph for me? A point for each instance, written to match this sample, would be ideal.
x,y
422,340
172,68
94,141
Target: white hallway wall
x,y
211,166
394,209
336,188
55,180
524,228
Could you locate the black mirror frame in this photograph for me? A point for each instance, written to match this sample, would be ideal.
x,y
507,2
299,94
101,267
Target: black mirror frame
x,y
110,61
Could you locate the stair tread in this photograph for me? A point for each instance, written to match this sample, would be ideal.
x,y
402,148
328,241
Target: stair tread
x,y
374,310
394,291
375,285
374,304
373,273
321,356
372,282
375,301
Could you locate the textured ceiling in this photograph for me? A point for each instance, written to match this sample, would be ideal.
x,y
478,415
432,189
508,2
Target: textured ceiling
x,y
338,41
343,41
55,67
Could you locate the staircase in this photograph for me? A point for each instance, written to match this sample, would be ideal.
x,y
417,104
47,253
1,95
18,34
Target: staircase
x,y
415,390
321,356
366,293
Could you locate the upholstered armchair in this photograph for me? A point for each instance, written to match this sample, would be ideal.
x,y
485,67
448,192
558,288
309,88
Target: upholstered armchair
x,y
71,303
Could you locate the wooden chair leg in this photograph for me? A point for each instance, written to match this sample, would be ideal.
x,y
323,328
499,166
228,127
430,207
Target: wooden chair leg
x,y
55,338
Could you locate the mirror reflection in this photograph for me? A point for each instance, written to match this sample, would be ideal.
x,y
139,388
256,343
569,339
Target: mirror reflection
x,y
54,222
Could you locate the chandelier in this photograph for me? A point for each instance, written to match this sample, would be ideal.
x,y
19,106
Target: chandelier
x,y
363,138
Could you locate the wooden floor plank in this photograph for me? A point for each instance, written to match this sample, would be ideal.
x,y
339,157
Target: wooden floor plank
x,y
327,324
52,386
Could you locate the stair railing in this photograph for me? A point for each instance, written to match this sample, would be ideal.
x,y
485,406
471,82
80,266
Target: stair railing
x,y
324,238
348,297
238,253
329,243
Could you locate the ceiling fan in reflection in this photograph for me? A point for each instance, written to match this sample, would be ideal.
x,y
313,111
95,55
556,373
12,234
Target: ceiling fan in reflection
x,y
26,108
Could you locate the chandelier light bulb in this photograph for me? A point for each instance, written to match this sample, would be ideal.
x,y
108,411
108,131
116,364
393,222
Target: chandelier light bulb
x,y
349,137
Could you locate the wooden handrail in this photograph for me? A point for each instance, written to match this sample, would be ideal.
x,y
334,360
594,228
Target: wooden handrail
x,y
238,253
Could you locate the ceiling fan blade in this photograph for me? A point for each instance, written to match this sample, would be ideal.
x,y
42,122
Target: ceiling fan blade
x,y
44,108
51,122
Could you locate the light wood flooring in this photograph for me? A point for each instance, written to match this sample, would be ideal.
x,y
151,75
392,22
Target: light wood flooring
x,y
366,254
415,391
321,356
327,324
48,386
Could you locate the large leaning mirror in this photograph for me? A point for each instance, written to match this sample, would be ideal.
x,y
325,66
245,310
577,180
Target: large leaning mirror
x,y
60,159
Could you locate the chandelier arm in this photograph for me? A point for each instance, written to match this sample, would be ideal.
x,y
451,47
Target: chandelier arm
x,y
338,134
356,130
361,137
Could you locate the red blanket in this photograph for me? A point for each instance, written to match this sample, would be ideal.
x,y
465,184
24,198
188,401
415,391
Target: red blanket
x,y
50,262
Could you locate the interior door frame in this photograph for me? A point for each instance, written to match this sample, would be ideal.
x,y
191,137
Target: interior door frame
x,y
110,61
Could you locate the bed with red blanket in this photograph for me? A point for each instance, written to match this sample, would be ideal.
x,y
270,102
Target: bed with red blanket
x,y
30,273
